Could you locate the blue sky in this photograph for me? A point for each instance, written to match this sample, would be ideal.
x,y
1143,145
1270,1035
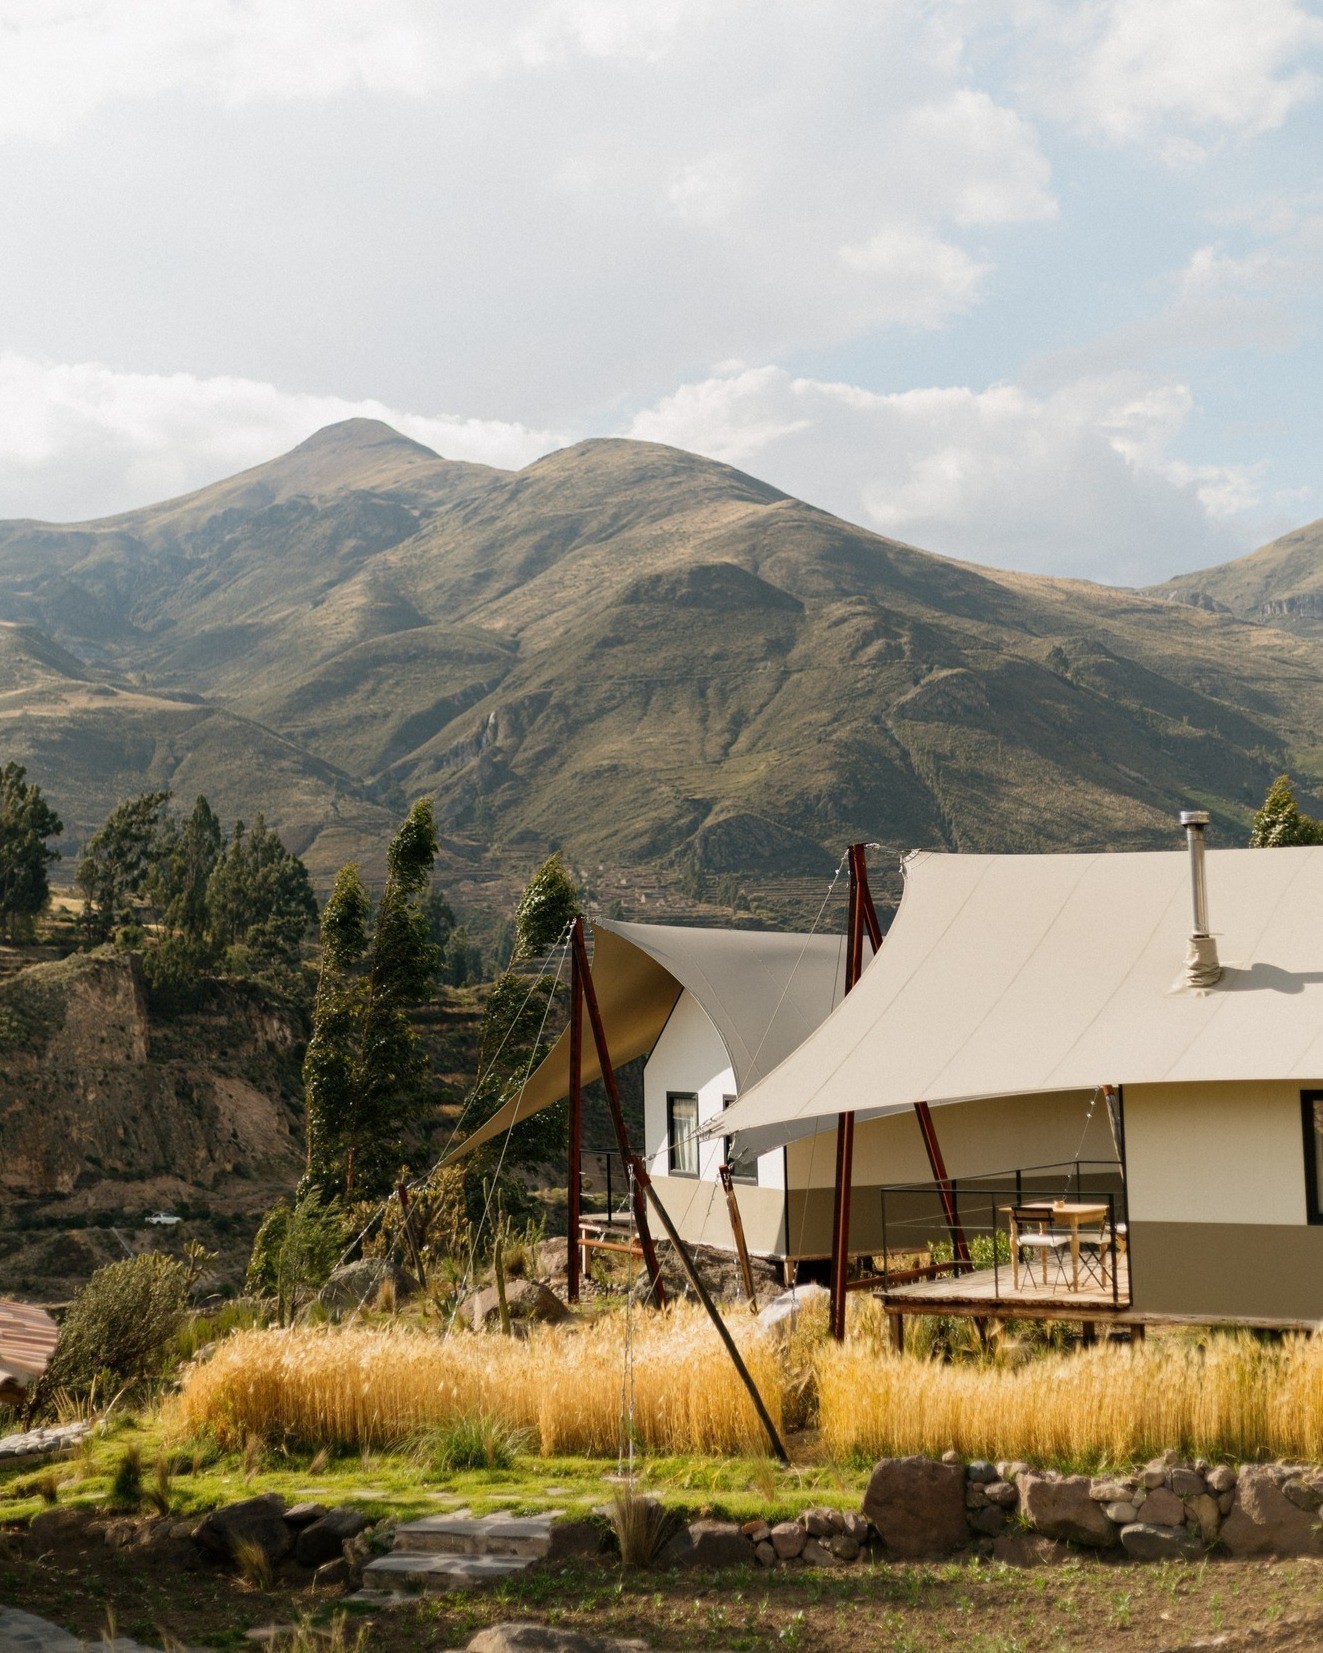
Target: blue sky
x,y
1024,281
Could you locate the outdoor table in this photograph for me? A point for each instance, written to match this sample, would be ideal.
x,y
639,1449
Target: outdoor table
x,y
1074,1216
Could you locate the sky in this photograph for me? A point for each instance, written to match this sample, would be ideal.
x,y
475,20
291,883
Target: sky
x,y
1028,282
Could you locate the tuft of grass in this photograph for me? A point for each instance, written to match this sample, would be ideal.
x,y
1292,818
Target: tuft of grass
x,y
320,1459
642,1527
160,1494
253,1564
126,1482
481,1442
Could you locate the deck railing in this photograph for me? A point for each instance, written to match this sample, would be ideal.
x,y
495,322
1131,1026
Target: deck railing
x,y
917,1245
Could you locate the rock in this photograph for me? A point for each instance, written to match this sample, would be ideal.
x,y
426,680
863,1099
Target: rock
x,y
1161,1508
1221,1479
1154,1476
917,1505
1225,1502
1301,1494
818,1524
52,1530
1061,1508
765,1553
1121,1513
333,1575
259,1521
951,1456
1109,1490
547,1638
1263,1521
303,1515
816,1554
981,1470
989,1522
844,1548
757,1532
324,1539
788,1539
1185,1483
1143,1542
1010,1469
525,1299
576,1539
358,1285
1003,1494
551,1260
976,1497
1030,1549
718,1544
1206,1515
856,1526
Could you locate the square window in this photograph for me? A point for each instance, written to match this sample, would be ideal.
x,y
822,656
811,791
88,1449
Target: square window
x,y
1311,1107
743,1164
682,1133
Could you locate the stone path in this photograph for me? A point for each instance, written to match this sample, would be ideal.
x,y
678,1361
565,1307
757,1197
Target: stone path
x,y
456,1552
40,1443
22,1632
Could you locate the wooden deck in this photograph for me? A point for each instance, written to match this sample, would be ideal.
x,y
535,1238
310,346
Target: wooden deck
x,y
992,1291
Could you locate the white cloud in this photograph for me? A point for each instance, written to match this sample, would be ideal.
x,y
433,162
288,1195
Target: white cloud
x,y
1175,71
1077,482
80,440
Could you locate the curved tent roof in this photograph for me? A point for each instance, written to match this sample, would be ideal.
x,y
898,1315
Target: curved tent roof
x,y
763,990
1009,974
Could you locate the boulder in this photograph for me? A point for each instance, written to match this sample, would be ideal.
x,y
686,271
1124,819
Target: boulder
x,y
818,1524
1144,1542
856,1526
547,1638
717,1544
324,1539
1204,1512
816,1554
1185,1483
843,1547
573,1540
1110,1490
1264,1521
333,1575
757,1532
989,1522
917,1505
1003,1494
1030,1549
788,1539
1221,1479
981,1470
1302,1494
765,1554
551,1260
1060,1507
1122,1512
257,1521
1161,1509
357,1285
526,1300
303,1515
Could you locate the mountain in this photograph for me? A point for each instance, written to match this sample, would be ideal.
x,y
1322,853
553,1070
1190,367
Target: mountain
x,y
1280,584
672,668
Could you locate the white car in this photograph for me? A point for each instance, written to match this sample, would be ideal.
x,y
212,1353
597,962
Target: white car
x,y
164,1219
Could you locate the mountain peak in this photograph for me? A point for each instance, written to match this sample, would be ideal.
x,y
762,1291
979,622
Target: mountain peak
x,y
358,436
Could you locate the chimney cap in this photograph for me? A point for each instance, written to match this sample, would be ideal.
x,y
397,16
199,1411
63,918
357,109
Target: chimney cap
x,y
1194,817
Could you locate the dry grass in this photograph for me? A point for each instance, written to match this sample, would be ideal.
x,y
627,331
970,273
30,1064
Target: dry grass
x,y
1230,1396
367,1387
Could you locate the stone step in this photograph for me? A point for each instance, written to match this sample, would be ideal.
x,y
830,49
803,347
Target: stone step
x,y
439,1573
527,1537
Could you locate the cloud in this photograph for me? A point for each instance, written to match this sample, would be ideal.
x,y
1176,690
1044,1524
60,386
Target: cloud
x,y
1182,72
80,440
1078,482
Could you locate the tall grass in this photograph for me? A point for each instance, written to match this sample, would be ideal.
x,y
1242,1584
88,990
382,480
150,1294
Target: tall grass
x,y
357,1386
1231,1396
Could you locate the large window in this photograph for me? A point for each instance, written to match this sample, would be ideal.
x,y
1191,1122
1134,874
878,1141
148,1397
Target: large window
x,y
1311,1106
743,1164
682,1133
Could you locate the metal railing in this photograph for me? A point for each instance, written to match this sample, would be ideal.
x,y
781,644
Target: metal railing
x,y
919,1246
603,1184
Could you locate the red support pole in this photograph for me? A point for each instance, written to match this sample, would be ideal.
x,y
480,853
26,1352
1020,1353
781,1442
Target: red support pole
x,y
642,1181
573,1174
840,1222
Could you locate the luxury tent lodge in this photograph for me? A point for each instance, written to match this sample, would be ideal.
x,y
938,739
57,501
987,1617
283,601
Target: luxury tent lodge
x,y
1059,988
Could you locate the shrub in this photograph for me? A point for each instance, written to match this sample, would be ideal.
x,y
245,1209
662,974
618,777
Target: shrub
x,y
295,1250
126,1482
642,1527
120,1325
175,971
476,1443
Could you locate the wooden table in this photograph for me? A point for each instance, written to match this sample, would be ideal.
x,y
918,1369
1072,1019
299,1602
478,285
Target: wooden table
x,y
1075,1216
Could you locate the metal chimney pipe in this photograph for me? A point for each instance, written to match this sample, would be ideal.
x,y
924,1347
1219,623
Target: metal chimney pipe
x,y
1202,966
1194,821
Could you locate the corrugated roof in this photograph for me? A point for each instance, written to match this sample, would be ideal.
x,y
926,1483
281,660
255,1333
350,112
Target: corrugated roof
x,y
763,990
27,1340
1007,974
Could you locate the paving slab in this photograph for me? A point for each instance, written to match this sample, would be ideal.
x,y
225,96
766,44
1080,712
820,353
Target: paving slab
x,y
441,1572
501,1535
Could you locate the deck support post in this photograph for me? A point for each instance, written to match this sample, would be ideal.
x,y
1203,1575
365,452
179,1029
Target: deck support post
x,y
897,1332
574,1179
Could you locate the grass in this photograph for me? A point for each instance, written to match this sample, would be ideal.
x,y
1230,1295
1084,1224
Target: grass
x,y
362,1386
1230,1396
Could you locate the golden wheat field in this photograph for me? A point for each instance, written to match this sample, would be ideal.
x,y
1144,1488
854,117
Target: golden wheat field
x,y
369,1386
1227,1396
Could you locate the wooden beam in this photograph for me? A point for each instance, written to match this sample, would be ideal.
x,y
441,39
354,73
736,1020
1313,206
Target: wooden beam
x,y
573,1176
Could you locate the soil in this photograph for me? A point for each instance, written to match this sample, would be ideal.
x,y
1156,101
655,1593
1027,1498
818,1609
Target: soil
x,y
1270,1607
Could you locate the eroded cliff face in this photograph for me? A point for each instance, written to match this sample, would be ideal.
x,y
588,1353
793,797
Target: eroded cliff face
x,y
107,1114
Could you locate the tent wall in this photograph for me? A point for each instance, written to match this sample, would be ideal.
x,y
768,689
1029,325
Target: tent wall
x,y
979,1140
698,1210
1217,1202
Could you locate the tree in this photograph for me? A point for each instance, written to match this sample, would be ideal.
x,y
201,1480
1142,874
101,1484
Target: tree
x,y
364,1066
545,909
26,822
118,1327
259,898
186,858
117,862
1281,822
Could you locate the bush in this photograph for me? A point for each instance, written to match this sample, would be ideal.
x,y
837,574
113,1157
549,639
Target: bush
x,y
120,1325
476,1443
126,1482
176,975
295,1250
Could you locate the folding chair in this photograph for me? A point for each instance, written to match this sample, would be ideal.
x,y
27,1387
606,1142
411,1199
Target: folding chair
x,y
1033,1230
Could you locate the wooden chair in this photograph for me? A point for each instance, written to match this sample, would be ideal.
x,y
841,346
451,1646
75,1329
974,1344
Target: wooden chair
x,y
1033,1230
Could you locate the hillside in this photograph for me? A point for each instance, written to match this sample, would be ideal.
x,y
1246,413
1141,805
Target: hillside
x,y
1280,584
650,657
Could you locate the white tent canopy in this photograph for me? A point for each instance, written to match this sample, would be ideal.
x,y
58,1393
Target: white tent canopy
x,y
1010,974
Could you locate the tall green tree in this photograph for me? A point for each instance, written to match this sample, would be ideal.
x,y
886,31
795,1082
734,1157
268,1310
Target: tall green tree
x,y
364,1068
187,855
259,897
1281,822
26,822
545,909
117,862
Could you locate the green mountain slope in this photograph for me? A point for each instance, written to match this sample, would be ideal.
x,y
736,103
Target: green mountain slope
x,y
653,658
1280,584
